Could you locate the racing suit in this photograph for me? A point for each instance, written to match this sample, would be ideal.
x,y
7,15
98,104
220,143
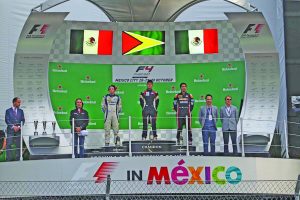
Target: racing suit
x,y
111,106
183,105
149,101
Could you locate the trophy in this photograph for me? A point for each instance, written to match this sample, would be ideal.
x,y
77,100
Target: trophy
x,y
44,127
53,128
35,123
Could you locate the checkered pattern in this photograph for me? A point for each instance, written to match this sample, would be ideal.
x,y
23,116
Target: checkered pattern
x,y
229,48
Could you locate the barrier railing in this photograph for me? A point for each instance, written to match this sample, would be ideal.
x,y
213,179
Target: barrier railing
x,y
140,190
248,141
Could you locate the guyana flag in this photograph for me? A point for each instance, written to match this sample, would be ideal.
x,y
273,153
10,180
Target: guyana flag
x,y
143,42
196,41
91,42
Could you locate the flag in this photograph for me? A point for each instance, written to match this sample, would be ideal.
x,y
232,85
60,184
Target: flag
x,y
91,42
196,41
143,43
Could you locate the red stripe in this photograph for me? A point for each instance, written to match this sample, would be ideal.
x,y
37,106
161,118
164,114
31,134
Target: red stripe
x,y
105,42
129,42
210,37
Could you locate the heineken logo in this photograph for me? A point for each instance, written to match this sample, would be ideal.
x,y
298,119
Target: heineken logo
x,y
230,87
201,79
59,68
89,101
196,41
229,67
173,88
59,89
60,111
91,41
201,99
88,80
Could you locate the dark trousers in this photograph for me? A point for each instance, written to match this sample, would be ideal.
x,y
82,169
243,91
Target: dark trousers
x,y
181,121
147,115
209,135
232,135
79,139
13,139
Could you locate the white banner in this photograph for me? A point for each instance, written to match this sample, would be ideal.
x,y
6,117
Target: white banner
x,y
142,73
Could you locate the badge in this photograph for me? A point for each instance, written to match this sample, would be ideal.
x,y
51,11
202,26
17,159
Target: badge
x,y
210,117
147,94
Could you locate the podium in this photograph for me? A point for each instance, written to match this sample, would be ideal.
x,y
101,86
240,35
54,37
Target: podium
x,y
43,141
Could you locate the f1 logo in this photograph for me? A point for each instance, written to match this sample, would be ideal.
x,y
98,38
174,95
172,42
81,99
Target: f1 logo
x,y
257,28
42,30
147,68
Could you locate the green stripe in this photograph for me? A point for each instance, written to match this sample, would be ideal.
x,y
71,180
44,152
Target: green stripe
x,y
157,50
182,42
76,42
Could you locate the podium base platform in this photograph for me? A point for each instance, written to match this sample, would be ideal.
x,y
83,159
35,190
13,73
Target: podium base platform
x,y
150,146
43,141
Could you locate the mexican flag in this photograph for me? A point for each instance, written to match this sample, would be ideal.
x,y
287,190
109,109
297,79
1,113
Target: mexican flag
x,y
196,41
91,42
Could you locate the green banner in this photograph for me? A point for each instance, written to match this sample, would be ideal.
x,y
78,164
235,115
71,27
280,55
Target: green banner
x,y
68,81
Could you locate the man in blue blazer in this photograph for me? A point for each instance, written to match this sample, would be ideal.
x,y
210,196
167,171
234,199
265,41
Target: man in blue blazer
x,y
14,117
229,118
208,116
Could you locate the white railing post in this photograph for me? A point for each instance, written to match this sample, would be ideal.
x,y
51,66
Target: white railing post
x,y
242,138
21,142
286,139
187,135
129,127
73,137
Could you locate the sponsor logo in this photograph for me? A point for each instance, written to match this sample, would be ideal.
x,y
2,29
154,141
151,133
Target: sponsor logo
x,y
105,169
143,71
252,30
201,99
229,67
201,79
38,31
120,92
196,41
88,80
92,123
59,89
150,146
89,101
171,113
60,111
230,87
172,90
59,69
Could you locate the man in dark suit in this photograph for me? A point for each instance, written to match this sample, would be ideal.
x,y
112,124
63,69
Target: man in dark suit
x,y
14,117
